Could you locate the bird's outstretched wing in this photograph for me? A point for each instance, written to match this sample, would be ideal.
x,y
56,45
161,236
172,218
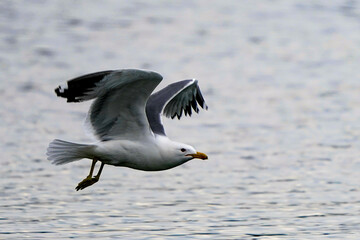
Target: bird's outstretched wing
x,y
120,98
173,100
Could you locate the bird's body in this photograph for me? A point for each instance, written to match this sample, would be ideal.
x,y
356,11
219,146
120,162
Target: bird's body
x,y
147,155
126,119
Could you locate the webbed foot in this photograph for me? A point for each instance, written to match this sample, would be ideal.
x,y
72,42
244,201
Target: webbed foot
x,y
86,183
89,180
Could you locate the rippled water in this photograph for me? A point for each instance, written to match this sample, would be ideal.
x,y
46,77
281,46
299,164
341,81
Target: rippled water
x,y
282,82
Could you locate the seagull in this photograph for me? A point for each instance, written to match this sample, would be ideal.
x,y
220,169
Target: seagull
x,y
125,117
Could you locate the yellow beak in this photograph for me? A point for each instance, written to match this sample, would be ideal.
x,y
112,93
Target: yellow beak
x,y
200,155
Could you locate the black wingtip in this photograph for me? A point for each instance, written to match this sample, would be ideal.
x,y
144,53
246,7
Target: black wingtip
x,y
61,92
57,91
78,87
64,93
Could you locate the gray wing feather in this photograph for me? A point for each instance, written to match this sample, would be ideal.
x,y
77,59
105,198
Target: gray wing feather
x,y
119,108
174,100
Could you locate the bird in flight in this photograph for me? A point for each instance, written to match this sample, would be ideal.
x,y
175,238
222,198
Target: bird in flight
x,y
126,118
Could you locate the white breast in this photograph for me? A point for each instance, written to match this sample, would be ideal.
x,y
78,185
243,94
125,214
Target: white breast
x,y
153,154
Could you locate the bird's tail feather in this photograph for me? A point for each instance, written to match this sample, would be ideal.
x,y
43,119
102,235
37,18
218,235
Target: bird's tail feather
x,y
62,152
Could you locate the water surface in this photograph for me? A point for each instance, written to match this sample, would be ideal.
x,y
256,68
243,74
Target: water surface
x,y
281,79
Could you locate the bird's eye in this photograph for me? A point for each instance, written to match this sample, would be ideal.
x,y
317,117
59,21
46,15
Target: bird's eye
x,y
183,149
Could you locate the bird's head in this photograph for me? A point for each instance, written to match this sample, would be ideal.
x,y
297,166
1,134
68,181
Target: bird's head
x,y
187,152
175,153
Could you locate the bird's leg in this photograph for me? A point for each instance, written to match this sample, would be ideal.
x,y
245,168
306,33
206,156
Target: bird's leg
x,y
92,168
97,177
89,180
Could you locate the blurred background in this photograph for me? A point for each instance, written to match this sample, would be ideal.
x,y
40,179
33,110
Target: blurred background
x,y
282,81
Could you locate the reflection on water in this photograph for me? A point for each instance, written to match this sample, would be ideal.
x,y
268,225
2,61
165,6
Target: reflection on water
x,y
282,130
